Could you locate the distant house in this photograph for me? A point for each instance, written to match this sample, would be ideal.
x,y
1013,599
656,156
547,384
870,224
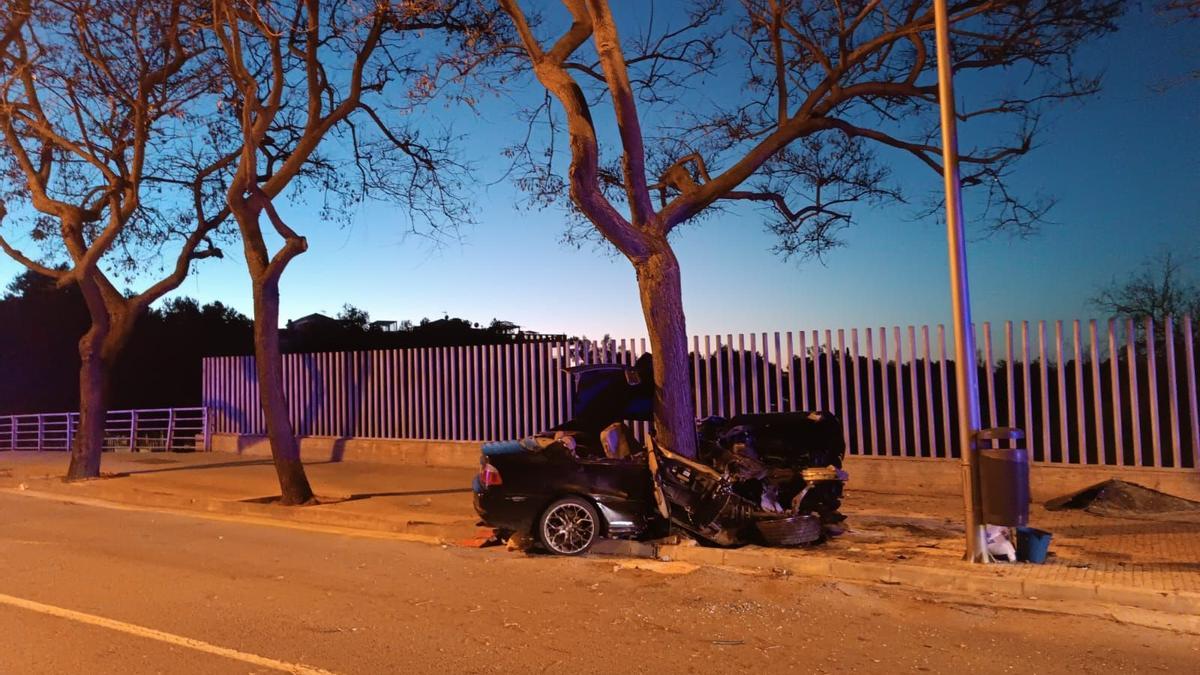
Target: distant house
x,y
311,321
385,326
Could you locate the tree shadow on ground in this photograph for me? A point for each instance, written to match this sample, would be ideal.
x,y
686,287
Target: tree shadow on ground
x,y
198,467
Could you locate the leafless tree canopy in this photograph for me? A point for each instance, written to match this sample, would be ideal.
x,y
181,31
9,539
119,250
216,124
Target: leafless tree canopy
x,y
329,99
720,93
1165,286
97,98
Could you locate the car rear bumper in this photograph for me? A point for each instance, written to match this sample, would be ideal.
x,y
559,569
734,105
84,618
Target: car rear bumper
x,y
506,512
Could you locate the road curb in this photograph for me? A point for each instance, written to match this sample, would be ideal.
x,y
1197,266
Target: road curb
x,y
421,525
916,577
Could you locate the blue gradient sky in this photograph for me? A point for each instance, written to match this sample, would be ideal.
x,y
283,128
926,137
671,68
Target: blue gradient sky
x,y
1125,167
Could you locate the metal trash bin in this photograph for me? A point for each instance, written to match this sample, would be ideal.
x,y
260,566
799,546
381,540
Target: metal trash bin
x,y
1003,477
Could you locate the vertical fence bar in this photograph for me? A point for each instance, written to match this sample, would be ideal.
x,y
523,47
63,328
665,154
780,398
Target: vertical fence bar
x,y
793,403
1064,427
1009,385
766,375
1152,393
1045,382
1026,389
710,375
1189,352
477,396
1114,373
858,414
779,407
344,372
394,387
989,372
741,371
452,390
754,361
886,389
803,353
875,447
520,410
1097,398
424,372
530,357
410,397
1080,407
914,391
170,428
720,371
206,427
696,390
842,392
1173,389
930,433
562,382
487,387
818,397
901,425
1135,415
833,405
443,381
509,407
546,415
732,402
943,368
467,396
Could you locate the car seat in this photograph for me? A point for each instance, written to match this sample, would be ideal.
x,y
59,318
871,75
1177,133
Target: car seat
x,y
618,441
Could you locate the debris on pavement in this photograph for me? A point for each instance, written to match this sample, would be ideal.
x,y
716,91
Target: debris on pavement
x,y
1121,499
999,543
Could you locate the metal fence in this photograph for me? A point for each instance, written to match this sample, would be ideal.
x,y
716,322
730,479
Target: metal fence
x,y
145,430
1112,393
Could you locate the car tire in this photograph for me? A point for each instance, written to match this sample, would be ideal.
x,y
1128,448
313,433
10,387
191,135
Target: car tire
x,y
569,526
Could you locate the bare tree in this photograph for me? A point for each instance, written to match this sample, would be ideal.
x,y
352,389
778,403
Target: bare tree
x,y
96,98
1162,288
817,89
300,74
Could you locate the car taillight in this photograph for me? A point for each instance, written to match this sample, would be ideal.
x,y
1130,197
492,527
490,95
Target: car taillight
x,y
489,475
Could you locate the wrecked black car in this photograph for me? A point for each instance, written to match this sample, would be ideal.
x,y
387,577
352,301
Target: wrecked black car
x,y
771,478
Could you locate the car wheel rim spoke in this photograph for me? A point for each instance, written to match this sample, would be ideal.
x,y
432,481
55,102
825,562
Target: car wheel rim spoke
x,y
569,528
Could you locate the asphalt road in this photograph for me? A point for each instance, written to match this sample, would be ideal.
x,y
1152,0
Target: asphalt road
x,y
85,589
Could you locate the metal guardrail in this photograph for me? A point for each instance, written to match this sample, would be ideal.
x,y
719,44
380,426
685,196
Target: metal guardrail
x,y
141,430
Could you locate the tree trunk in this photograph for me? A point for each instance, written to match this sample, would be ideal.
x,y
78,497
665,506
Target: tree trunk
x,y
662,304
93,404
285,450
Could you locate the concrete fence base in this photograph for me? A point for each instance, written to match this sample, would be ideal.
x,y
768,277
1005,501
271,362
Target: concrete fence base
x,y
896,475
453,454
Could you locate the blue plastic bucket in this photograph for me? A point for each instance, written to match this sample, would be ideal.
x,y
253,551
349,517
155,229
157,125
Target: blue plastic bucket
x,y
1033,545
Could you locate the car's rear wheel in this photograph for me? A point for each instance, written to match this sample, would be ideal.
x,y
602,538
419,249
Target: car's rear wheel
x,y
569,526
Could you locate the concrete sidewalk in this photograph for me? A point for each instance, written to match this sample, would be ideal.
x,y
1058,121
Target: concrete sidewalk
x,y
914,541
431,502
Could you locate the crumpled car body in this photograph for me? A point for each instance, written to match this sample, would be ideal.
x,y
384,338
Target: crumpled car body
x,y
771,478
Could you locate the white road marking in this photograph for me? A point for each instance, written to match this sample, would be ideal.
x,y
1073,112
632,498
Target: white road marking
x,y
152,634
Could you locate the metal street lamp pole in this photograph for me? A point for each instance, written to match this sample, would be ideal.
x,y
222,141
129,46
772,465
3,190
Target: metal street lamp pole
x,y
960,295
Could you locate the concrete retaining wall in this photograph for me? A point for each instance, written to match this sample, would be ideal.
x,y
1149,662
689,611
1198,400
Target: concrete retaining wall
x,y
939,476
879,474
455,454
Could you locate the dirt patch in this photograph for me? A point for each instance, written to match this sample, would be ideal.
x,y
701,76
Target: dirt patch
x,y
1120,499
